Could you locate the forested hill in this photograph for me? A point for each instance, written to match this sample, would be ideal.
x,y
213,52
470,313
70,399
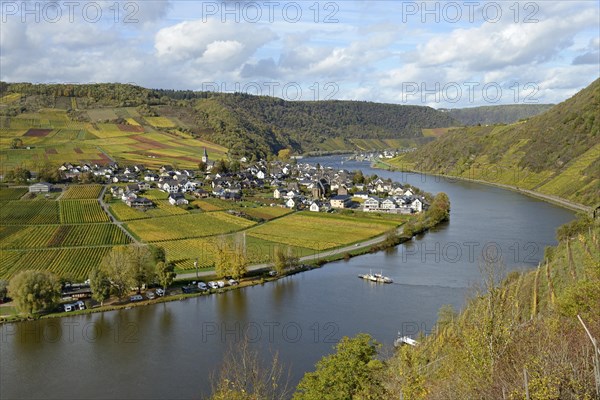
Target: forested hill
x,y
557,152
246,124
501,114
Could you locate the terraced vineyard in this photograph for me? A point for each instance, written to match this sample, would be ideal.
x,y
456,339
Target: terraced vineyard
x,y
82,192
81,212
267,213
43,236
19,212
11,193
74,263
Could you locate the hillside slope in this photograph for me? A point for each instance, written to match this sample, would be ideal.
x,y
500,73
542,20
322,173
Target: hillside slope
x,y
247,125
501,114
526,323
557,152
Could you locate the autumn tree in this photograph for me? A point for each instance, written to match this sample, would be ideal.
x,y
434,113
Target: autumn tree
x,y
243,376
116,267
352,372
141,266
284,154
165,273
100,285
34,291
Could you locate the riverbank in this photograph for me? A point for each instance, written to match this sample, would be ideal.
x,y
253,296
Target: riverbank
x,y
559,201
258,274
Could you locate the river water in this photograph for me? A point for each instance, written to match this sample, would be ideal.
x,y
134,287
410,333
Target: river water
x,y
168,350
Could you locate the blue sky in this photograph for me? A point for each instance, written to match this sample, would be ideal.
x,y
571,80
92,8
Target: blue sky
x,y
441,54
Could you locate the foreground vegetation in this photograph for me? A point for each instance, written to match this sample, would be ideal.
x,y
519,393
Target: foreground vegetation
x,y
555,153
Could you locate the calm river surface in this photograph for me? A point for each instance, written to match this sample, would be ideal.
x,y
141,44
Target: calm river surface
x,y
168,350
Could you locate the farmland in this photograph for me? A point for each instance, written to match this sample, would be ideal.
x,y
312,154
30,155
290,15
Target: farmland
x,y
67,237
20,212
11,193
267,213
184,252
321,231
81,212
82,192
187,226
50,136
72,263
41,236
123,212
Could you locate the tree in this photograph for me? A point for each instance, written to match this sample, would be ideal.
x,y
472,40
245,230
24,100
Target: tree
x,y
202,166
165,273
100,285
51,174
351,372
358,177
19,175
283,261
3,289
244,377
116,267
141,266
16,143
284,154
230,258
34,291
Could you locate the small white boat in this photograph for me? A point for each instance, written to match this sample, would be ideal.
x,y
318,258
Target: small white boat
x,y
379,278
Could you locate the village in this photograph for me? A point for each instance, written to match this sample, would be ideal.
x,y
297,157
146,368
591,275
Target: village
x,y
292,184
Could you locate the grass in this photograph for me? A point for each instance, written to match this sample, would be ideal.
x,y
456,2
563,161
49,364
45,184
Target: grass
x,y
320,231
160,122
187,226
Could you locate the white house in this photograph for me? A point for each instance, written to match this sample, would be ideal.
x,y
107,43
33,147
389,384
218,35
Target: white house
x,y
417,205
290,203
388,204
314,206
279,193
371,204
260,175
170,186
177,199
41,187
340,201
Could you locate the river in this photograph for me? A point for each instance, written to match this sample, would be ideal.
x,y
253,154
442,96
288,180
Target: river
x,y
168,350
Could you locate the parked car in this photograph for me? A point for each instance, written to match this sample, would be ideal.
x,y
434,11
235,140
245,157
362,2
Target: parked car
x,y
137,297
213,285
221,284
272,273
150,295
233,282
202,286
160,292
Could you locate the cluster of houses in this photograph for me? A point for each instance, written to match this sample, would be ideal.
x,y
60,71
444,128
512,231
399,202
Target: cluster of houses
x,y
294,185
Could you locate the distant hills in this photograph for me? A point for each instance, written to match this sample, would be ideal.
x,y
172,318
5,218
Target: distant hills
x,y
557,152
500,114
245,124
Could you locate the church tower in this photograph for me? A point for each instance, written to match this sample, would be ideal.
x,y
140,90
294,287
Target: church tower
x,y
205,157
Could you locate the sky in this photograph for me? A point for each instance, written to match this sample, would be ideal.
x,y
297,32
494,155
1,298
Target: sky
x,y
444,54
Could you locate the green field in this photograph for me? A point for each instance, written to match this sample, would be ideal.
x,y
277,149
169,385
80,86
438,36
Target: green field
x,y
267,213
320,231
187,226
184,252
